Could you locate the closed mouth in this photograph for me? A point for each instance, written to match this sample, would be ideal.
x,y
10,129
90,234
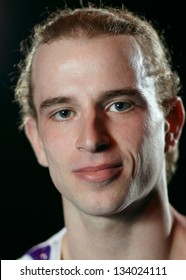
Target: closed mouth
x,y
99,173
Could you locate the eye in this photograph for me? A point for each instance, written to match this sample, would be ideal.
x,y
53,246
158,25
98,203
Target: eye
x,y
63,115
120,106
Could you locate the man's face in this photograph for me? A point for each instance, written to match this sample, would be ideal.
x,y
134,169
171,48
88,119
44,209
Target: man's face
x,y
99,128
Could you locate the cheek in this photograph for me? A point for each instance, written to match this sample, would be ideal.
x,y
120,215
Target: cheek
x,y
57,143
152,150
131,132
56,134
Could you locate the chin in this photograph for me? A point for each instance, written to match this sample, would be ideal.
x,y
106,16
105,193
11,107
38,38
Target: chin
x,y
104,209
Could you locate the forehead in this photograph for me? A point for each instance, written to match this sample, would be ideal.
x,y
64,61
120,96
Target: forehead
x,y
105,61
122,47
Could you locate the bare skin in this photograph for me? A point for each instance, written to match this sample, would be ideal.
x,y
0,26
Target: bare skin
x,y
103,137
145,237
178,237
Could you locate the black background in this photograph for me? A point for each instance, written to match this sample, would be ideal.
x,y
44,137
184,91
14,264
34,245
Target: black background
x,y
30,204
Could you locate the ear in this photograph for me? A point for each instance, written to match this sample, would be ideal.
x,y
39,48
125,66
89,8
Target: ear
x,y
174,122
32,133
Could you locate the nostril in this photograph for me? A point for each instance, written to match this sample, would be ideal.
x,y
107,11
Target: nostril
x,y
102,147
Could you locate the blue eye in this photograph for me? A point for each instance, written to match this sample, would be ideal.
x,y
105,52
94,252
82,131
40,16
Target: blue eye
x,y
63,114
120,106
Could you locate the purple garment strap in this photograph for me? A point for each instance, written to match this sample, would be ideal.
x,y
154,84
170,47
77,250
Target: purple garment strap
x,y
42,253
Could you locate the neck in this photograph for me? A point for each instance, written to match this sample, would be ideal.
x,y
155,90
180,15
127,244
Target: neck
x,y
139,232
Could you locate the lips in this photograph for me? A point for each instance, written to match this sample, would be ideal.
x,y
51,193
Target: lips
x,y
99,173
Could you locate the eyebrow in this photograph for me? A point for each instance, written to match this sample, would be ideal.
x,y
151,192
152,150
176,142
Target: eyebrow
x,y
50,102
105,96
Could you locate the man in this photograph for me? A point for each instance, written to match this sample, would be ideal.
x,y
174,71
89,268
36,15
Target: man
x,y
100,107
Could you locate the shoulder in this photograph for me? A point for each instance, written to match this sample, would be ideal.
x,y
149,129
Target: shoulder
x,y
46,250
178,246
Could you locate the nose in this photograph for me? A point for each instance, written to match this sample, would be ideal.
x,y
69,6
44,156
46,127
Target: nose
x,y
93,135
